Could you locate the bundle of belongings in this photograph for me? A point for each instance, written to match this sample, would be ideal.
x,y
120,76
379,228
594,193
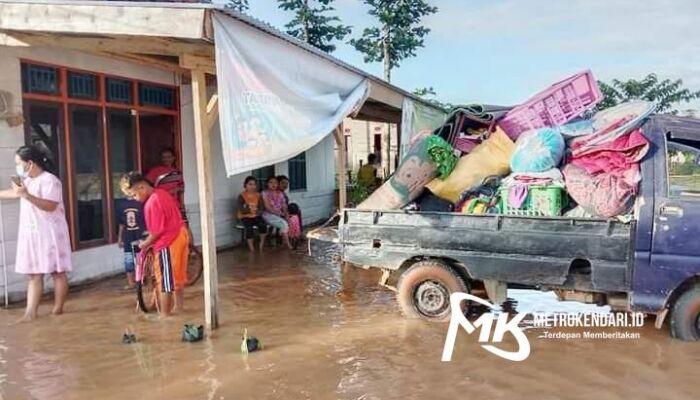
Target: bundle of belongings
x,y
549,156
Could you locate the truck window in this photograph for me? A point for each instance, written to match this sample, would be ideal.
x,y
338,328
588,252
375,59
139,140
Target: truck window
x,y
683,170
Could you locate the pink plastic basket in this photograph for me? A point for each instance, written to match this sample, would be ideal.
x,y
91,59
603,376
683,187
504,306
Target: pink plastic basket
x,y
555,106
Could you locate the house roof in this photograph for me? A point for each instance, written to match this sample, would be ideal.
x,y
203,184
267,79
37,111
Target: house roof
x,y
204,35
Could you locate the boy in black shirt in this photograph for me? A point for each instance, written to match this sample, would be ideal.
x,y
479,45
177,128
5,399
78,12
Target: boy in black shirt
x,y
131,228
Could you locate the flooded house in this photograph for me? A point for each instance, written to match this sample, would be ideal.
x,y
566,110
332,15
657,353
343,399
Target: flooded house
x,y
102,87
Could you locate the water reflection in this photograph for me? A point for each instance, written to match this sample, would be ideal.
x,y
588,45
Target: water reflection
x,y
329,332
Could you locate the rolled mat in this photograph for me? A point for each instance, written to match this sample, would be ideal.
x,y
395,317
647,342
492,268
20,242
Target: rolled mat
x,y
492,157
419,167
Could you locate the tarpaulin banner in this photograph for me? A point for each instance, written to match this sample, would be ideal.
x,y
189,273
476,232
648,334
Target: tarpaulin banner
x,y
417,121
276,99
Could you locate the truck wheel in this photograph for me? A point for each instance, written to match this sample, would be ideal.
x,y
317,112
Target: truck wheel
x,y
424,290
685,317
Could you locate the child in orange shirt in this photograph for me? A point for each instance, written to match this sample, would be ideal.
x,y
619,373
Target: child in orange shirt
x,y
250,208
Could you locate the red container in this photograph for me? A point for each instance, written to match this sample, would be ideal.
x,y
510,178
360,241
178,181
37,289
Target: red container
x,y
555,106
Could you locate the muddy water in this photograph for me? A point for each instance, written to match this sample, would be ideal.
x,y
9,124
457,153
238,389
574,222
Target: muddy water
x,y
329,333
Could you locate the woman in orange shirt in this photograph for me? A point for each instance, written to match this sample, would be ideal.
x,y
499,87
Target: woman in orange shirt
x,y
250,208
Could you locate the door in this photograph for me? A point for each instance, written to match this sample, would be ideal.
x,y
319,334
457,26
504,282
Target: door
x,y
677,215
157,133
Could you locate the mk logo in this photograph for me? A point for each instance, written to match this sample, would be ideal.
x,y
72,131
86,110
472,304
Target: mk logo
x,y
485,322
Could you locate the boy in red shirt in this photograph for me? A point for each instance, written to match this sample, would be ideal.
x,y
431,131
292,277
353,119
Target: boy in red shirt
x,y
169,238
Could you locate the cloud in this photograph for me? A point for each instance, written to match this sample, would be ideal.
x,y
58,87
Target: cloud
x,y
618,38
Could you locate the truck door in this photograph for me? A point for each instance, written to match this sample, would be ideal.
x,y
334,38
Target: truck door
x,y
676,232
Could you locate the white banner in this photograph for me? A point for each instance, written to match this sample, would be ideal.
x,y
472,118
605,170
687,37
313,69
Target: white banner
x,y
276,100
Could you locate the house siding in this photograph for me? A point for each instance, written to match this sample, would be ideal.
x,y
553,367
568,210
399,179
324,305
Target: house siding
x,y
90,264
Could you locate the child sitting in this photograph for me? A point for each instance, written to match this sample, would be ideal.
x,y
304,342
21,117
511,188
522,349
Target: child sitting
x,y
250,209
294,222
131,228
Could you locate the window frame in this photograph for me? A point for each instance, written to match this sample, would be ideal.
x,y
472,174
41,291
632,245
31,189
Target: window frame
x,y
685,147
64,101
262,180
292,179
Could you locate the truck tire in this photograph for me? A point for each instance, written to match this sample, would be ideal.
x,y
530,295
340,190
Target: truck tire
x,y
685,316
424,290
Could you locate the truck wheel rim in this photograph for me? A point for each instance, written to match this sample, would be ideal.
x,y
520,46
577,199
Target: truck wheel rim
x,y
432,298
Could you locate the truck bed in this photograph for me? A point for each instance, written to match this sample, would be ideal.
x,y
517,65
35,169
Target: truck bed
x,y
537,251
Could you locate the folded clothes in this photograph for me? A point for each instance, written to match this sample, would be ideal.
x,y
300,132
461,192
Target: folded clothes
x,y
517,195
551,176
615,157
612,123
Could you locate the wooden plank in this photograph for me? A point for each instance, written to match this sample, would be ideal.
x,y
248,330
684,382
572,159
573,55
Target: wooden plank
x,y
206,199
145,60
342,185
108,19
193,62
118,44
212,111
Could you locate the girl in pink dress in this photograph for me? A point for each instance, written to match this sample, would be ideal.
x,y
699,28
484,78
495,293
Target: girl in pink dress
x,y
275,213
43,242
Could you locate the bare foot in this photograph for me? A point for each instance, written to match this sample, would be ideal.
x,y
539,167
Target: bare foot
x,y
26,318
176,311
57,311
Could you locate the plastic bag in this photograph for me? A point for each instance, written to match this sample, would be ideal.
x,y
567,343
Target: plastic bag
x,y
538,150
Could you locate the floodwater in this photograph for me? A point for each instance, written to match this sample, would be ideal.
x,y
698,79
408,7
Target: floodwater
x,y
328,333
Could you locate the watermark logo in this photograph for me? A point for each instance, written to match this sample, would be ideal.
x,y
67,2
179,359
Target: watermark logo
x,y
485,322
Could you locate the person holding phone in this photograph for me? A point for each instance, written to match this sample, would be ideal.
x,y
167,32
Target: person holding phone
x,y
43,242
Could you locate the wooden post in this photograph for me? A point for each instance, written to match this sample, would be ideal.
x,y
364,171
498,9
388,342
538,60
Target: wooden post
x,y
202,135
342,186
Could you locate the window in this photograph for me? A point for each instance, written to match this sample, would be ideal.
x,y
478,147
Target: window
x,y
118,91
82,86
156,96
93,130
45,131
683,170
122,147
262,175
88,176
297,172
39,79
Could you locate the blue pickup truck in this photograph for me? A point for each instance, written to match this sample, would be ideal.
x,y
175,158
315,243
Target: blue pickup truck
x,y
650,264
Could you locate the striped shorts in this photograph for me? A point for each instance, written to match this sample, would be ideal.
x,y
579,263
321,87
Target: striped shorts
x,y
171,263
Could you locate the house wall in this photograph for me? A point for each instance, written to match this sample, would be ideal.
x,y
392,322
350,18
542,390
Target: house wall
x,y
316,202
361,143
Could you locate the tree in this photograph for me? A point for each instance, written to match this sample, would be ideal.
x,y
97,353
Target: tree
x,y
399,34
237,5
665,93
428,94
312,25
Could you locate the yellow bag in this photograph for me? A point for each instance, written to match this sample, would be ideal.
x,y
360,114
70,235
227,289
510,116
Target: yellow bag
x,y
492,157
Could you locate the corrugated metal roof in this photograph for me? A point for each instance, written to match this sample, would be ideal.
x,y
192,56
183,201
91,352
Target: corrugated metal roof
x,y
257,23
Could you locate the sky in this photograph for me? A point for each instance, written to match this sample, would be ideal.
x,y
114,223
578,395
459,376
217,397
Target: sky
x,y
504,51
